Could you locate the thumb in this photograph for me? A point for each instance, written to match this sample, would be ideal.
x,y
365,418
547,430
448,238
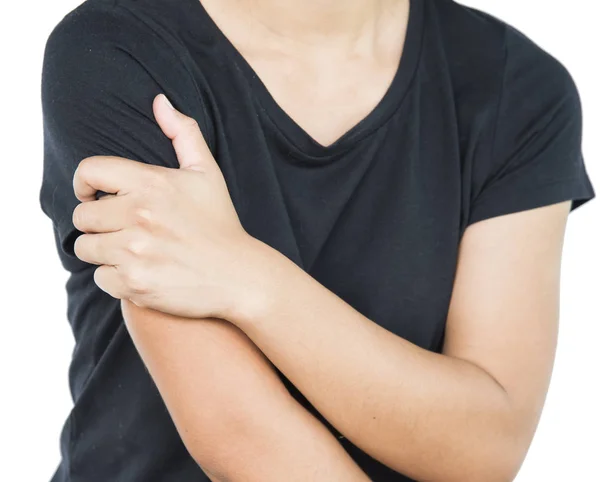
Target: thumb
x,y
188,141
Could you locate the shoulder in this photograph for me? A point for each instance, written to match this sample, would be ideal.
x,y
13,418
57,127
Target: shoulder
x,y
478,32
488,55
518,110
107,17
504,82
523,81
124,34
113,55
98,28
94,23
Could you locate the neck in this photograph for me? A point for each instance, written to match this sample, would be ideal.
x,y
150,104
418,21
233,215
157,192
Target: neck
x,y
311,22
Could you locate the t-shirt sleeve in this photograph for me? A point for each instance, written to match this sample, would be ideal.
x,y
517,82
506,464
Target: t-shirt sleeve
x,y
536,157
100,74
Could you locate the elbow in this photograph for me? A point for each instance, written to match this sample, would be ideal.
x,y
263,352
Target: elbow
x,y
212,465
499,461
211,448
214,476
472,470
218,439
500,448
493,453
493,472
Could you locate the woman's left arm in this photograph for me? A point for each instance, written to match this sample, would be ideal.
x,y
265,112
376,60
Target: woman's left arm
x,y
468,414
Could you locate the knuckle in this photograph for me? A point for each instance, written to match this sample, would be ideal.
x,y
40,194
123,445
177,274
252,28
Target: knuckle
x,y
154,179
143,216
135,280
137,244
105,278
83,218
86,164
191,123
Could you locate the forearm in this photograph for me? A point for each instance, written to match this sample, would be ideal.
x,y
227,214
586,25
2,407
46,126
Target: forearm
x,y
287,443
233,413
430,416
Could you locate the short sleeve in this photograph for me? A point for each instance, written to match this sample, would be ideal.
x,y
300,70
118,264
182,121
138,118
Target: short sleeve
x,y
101,71
536,157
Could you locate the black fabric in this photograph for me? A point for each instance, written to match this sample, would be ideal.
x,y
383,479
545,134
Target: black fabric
x,y
478,122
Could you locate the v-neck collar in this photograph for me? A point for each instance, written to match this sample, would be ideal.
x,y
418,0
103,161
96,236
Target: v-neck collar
x,y
304,145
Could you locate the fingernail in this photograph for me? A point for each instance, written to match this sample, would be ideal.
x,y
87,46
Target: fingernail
x,y
167,102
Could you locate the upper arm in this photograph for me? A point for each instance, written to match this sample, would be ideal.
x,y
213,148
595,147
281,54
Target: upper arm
x,y
100,74
503,315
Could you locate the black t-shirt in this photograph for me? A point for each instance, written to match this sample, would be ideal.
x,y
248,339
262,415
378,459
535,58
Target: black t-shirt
x,y
478,122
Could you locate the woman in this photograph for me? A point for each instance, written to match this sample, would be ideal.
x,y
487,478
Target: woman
x,y
337,258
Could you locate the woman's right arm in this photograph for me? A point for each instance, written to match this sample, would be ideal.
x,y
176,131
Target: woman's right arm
x,y
234,414
231,409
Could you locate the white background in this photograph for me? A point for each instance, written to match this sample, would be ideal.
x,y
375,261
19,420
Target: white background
x,y
35,338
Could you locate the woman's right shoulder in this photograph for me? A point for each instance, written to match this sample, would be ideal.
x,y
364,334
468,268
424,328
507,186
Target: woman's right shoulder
x,y
138,29
96,23
104,63
126,50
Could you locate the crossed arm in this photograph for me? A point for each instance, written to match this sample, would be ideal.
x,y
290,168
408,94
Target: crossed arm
x,y
232,411
468,414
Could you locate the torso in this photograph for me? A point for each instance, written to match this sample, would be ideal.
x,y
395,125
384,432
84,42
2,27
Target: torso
x,y
364,177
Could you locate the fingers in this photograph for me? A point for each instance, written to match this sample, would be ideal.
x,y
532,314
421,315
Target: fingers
x,y
104,248
117,274
109,174
109,280
104,215
188,141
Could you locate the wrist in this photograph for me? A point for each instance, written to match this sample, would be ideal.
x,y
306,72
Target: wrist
x,y
261,276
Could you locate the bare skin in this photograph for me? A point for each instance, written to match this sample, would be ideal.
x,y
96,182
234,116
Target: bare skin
x,y
326,63
469,413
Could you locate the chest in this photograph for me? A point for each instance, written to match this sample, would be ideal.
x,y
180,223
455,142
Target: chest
x,y
377,223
